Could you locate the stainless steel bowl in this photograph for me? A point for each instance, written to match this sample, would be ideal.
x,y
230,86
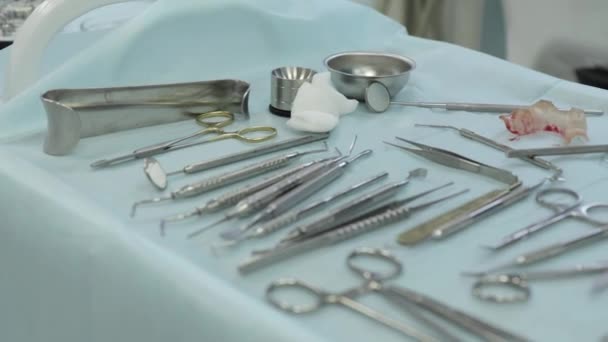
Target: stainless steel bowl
x,y
353,72
284,85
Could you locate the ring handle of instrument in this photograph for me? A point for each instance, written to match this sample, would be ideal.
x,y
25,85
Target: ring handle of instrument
x,y
512,281
203,119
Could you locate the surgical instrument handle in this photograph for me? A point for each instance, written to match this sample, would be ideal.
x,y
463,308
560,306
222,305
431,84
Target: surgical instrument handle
x,y
258,151
341,233
423,231
502,201
483,107
292,216
474,325
562,247
577,270
310,187
545,164
553,151
234,196
264,197
346,212
233,177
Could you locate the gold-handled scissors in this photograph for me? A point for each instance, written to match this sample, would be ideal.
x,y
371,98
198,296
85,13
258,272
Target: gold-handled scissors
x,y
214,122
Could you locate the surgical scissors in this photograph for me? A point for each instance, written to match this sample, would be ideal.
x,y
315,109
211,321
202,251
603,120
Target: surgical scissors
x,y
574,208
213,127
519,282
374,281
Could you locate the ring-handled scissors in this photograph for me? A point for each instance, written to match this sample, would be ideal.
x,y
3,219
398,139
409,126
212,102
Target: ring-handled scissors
x,y
574,207
376,282
214,126
518,282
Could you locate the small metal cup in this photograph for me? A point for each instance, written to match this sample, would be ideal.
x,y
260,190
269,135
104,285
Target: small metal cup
x,y
284,85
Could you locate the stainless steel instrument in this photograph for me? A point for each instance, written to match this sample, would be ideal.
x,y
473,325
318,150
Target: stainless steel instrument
x,y
557,151
519,282
79,113
542,163
208,184
284,85
271,226
295,196
160,178
360,225
378,100
376,281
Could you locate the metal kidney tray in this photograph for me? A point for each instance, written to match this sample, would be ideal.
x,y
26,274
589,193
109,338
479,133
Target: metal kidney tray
x,y
79,113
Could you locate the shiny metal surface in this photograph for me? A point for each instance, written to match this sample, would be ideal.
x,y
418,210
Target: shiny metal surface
x,y
284,85
377,281
79,113
353,72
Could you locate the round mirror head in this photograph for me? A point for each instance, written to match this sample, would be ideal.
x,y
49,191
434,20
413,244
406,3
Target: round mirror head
x,y
155,173
377,97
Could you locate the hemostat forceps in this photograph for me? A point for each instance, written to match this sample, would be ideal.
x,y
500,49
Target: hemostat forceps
x,y
377,282
213,127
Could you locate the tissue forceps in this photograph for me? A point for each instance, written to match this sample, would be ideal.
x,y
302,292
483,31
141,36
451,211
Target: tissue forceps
x,y
457,161
519,282
213,127
376,281
574,208
361,224
293,215
542,163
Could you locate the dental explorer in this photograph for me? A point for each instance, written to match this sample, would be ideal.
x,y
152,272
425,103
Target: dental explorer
x,y
271,226
213,183
295,196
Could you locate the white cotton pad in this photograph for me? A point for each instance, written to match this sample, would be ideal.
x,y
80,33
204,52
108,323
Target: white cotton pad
x,y
313,121
316,103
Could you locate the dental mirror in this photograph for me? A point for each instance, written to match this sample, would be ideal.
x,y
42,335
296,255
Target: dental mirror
x,y
155,173
377,97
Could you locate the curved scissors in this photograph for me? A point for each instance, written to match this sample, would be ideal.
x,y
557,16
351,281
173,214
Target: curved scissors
x,y
376,282
518,282
574,207
214,126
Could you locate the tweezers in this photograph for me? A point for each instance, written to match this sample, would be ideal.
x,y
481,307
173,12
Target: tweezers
x,y
457,161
